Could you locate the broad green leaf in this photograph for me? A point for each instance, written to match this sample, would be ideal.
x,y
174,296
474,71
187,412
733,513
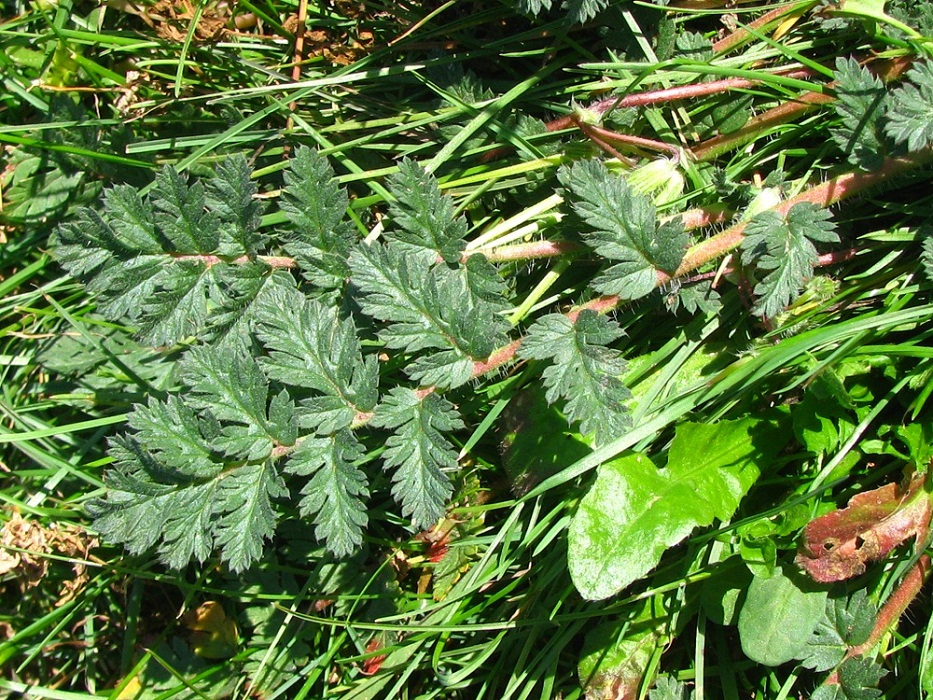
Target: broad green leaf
x,y
634,511
721,596
617,654
777,619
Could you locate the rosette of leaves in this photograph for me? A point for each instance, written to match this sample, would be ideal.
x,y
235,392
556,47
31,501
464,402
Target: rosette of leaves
x,y
280,398
279,393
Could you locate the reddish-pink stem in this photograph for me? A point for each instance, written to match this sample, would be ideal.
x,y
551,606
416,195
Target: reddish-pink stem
x,y
681,92
833,258
527,251
211,260
743,33
824,195
609,136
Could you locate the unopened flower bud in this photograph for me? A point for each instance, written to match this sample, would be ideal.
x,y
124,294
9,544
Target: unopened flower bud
x,y
661,179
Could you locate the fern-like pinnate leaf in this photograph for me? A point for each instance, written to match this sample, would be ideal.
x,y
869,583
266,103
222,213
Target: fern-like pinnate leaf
x,y
176,437
623,229
910,116
427,308
577,11
246,517
424,218
311,346
861,105
226,384
333,496
782,248
181,214
231,194
419,451
585,372
149,503
319,237
926,253
172,264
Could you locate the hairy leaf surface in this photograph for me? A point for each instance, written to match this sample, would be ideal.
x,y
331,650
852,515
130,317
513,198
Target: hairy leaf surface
x,y
419,451
333,497
227,385
585,372
910,117
148,504
311,346
777,618
425,219
624,229
427,308
861,105
231,194
178,263
319,237
783,248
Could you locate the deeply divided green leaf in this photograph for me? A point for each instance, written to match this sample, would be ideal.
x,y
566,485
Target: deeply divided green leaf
x,y
861,105
426,308
311,346
424,219
910,117
623,228
782,248
333,496
319,237
419,451
585,372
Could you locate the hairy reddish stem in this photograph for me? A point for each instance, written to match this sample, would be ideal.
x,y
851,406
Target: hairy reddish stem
x,y
497,359
887,70
681,92
527,251
895,606
743,33
716,146
833,258
211,260
615,137
824,195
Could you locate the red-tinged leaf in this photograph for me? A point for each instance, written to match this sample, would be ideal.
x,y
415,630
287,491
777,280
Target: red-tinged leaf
x,y
373,663
838,544
616,655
